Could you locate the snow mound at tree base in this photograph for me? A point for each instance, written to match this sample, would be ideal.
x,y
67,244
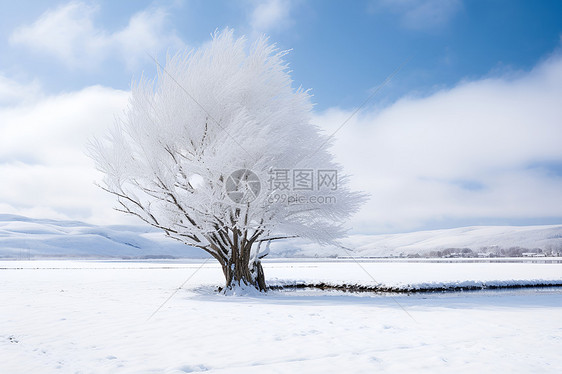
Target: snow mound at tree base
x,y
241,290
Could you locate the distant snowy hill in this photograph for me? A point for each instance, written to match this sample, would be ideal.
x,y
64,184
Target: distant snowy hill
x,y
479,239
22,237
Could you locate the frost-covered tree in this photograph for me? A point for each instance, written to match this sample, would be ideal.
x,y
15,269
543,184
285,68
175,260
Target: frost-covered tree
x,y
219,152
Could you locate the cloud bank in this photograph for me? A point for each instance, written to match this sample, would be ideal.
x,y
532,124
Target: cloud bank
x,y
44,171
69,34
483,151
487,150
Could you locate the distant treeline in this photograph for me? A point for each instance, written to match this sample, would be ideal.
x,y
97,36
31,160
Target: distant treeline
x,y
494,252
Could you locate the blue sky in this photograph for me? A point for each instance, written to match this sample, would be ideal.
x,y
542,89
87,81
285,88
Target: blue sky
x,y
462,57
340,49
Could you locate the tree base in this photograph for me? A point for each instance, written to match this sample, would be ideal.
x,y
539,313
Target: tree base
x,y
244,279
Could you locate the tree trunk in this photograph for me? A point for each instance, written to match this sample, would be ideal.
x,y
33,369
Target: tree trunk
x,y
243,273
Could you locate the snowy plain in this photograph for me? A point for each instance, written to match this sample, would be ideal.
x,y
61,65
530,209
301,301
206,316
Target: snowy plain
x,y
95,317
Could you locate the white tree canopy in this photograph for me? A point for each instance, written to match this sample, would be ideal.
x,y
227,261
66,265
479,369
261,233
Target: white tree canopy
x,y
212,112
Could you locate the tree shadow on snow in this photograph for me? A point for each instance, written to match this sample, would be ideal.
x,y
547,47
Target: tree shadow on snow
x,y
477,299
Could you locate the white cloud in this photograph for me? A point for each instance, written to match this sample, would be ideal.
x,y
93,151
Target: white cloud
x,y
44,171
482,150
419,14
271,15
69,34
13,92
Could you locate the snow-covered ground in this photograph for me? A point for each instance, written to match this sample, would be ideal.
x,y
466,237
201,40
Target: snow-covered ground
x,y
94,317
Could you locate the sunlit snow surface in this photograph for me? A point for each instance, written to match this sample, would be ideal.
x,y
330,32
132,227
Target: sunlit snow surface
x,y
93,317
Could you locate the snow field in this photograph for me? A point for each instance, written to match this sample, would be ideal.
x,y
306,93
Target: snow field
x,y
93,317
